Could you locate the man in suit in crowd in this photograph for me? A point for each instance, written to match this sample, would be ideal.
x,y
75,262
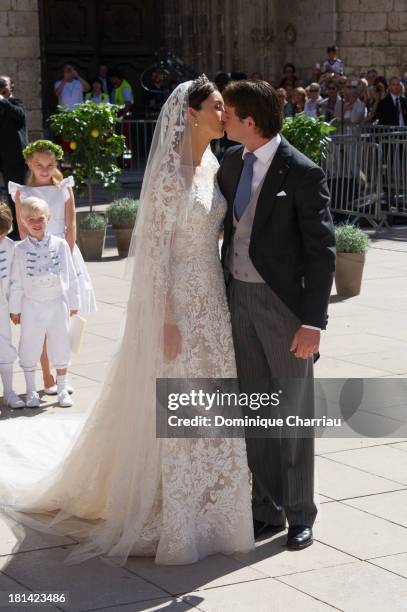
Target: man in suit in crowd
x,y
13,139
392,110
279,259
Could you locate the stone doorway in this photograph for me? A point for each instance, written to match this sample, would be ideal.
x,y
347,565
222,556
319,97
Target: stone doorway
x,y
119,33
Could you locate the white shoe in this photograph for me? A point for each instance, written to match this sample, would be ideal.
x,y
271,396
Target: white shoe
x,y
54,390
33,400
64,400
14,401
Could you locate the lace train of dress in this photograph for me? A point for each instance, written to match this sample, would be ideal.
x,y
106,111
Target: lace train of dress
x,y
193,499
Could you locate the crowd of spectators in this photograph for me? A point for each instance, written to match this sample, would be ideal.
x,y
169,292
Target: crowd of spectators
x,y
336,97
341,99
332,95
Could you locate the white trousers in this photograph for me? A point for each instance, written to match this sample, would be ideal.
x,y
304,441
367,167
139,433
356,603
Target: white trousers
x,y
40,319
8,353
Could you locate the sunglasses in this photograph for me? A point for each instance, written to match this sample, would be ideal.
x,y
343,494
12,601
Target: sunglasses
x,y
331,88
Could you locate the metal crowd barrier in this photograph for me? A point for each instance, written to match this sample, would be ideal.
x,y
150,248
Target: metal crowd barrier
x,y
367,173
353,171
139,135
394,177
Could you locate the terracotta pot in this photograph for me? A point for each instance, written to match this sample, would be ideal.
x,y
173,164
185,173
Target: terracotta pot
x,y
92,243
349,272
123,238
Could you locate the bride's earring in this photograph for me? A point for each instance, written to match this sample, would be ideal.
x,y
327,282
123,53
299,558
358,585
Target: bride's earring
x,y
196,124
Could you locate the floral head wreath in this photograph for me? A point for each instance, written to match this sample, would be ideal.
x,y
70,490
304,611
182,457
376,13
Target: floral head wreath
x,y
42,146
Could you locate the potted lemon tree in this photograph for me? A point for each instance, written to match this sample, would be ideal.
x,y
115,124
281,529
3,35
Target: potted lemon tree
x,y
351,247
121,215
94,150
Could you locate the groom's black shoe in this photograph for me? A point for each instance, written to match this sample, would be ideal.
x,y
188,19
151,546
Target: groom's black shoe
x,y
265,529
299,536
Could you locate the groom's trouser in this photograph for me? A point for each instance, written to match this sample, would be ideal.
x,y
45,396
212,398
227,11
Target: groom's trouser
x,y
282,468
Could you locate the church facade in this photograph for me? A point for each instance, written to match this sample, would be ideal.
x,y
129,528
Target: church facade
x,y
38,36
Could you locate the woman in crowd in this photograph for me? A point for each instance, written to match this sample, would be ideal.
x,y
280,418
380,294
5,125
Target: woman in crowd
x,y
96,94
289,76
299,99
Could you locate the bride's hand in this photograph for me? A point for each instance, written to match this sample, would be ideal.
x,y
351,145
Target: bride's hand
x,y
172,341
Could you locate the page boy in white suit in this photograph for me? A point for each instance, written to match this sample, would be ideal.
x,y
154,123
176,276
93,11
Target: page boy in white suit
x,y
44,293
8,353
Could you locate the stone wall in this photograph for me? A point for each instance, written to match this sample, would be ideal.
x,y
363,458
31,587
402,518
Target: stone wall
x,y
261,35
373,33
20,56
303,32
211,36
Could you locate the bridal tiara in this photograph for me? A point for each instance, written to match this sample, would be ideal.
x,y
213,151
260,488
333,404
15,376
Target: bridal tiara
x,y
201,80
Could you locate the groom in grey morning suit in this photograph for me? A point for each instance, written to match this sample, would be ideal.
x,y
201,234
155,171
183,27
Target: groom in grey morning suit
x,y
279,259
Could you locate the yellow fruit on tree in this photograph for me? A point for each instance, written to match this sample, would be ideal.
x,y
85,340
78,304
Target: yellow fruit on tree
x,y
73,145
94,133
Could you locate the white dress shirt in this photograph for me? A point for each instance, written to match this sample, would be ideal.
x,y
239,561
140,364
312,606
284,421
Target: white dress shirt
x,y
401,118
265,155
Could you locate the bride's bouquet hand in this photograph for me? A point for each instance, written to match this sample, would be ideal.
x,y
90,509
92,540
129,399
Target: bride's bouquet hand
x,y
172,341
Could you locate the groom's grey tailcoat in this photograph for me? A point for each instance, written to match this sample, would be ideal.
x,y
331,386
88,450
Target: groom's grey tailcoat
x,y
292,248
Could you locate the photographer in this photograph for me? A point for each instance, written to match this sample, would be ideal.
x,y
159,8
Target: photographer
x,y
12,142
70,90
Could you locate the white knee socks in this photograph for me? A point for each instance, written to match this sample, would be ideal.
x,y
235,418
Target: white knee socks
x,y
62,382
30,380
6,373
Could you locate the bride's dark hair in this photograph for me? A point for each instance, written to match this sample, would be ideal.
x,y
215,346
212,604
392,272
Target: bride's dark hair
x,y
200,89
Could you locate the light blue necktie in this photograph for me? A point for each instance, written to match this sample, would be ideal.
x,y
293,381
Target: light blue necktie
x,y
244,188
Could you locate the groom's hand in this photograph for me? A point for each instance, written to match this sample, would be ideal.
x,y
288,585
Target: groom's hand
x,y
172,341
305,342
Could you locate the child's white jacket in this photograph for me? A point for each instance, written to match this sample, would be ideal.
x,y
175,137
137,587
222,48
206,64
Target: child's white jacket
x,y
43,270
6,259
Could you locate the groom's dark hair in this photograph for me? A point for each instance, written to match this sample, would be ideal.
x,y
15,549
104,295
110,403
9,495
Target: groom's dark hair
x,y
258,100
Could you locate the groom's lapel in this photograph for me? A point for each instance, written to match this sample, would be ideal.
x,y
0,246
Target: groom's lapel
x,y
273,181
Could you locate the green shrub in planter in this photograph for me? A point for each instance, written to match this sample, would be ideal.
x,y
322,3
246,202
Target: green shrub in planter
x,y
351,246
308,135
122,212
93,221
351,239
122,215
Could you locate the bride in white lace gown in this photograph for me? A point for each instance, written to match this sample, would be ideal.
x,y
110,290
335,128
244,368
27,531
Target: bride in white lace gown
x,y
114,485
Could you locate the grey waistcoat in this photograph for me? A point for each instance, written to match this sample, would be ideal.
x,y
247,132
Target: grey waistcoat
x,y
239,263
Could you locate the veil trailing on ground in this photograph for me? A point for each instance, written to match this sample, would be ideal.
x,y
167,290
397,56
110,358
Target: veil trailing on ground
x,y
103,488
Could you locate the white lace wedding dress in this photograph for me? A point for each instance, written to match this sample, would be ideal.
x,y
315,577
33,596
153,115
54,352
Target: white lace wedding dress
x,y
116,486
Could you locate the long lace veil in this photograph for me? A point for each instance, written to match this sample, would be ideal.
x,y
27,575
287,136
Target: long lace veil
x,y
111,471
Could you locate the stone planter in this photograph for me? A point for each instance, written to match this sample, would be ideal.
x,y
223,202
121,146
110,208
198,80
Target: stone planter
x,y
123,238
349,272
91,242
